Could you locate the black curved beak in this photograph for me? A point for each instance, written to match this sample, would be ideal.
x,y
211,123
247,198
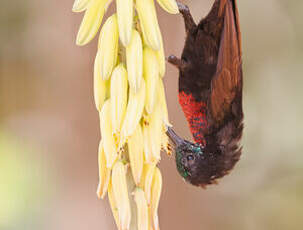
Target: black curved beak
x,y
174,137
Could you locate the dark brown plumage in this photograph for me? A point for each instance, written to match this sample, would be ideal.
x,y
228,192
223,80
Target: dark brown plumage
x,y
210,93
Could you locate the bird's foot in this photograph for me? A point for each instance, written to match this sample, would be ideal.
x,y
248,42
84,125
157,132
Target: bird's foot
x,y
188,19
179,63
183,8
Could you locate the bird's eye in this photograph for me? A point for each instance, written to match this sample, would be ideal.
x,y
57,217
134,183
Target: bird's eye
x,y
190,157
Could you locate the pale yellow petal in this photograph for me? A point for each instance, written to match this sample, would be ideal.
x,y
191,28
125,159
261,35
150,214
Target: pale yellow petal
x,y
151,76
121,194
169,5
161,56
147,142
133,112
162,101
113,204
108,139
125,20
118,97
142,209
155,132
147,179
91,21
149,23
80,5
108,46
155,197
100,87
104,173
152,134
134,61
135,152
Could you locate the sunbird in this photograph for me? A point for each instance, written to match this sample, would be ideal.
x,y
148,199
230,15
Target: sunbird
x,y
210,94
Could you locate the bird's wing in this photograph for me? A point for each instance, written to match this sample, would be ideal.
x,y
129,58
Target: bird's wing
x,y
228,77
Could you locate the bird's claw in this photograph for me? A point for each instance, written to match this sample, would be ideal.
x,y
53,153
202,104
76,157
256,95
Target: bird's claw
x,y
179,63
172,59
188,19
182,8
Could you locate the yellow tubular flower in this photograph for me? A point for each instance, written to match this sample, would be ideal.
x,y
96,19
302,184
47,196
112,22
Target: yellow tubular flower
x,y
118,97
151,76
161,56
121,194
142,209
149,23
104,173
125,20
155,132
147,179
91,21
113,204
147,143
169,5
134,60
109,144
155,197
134,111
100,86
162,101
152,133
108,46
80,5
135,152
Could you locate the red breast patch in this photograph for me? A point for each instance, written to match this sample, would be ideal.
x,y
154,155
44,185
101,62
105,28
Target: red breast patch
x,y
195,113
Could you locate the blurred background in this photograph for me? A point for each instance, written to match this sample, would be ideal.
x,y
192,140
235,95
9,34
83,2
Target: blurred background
x,y
49,128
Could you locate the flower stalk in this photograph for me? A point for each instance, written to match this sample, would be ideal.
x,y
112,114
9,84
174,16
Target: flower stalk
x,y
130,98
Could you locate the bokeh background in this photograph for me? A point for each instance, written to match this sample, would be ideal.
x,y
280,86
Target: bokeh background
x,y
49,128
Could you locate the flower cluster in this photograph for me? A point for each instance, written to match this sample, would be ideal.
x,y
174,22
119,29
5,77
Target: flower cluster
x,y
130,97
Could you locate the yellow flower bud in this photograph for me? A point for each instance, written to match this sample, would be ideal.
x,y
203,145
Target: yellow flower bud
x,y
149,23
134,61
162,102
91,21
151,76
121,194
125,20
142,209
108,46
147,141
109,144
134,111
169,5
155,197
100,86
135,152
104,173
161,56
118,97
80,5
155,127
147,179
152,133
113,204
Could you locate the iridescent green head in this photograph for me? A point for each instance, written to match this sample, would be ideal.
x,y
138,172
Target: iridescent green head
x,y
187,156
195,163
